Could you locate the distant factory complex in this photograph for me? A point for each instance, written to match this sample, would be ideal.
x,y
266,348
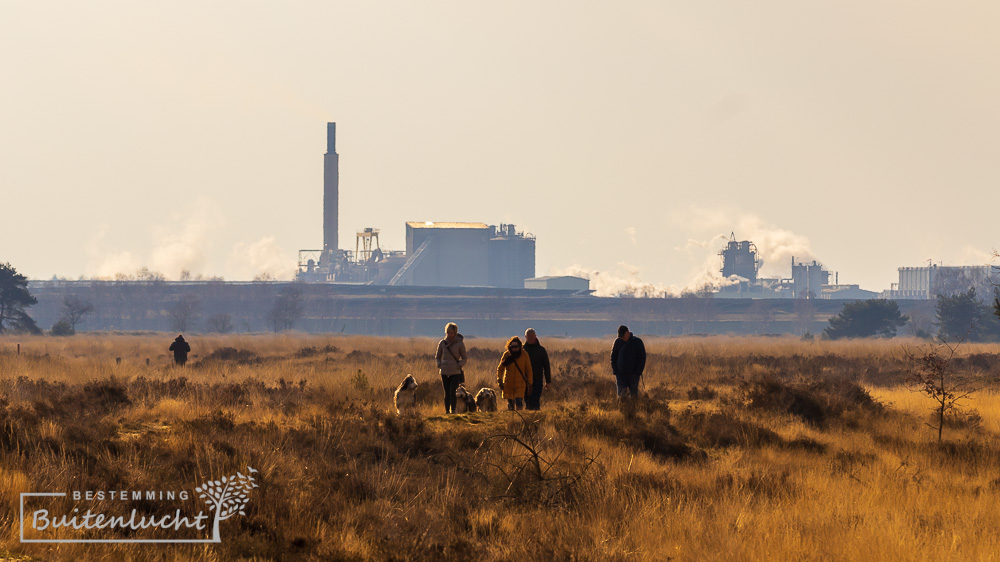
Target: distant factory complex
x,y
483,277
474,254
438,254
741,264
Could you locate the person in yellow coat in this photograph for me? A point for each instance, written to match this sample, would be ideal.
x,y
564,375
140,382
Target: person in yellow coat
x,y
514,374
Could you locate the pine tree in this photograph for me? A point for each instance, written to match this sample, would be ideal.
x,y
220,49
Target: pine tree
x,y
14,298
865,319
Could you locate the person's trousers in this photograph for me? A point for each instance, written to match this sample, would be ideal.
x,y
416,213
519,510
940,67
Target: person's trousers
x,y
533,400
515,403
627,382
450,383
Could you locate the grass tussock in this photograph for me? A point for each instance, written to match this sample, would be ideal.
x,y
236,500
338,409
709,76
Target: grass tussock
x,y
733,440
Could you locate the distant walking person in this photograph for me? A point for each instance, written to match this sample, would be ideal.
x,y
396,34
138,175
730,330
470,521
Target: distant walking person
x,y
539,368
514,374
628,359
451,359
181,348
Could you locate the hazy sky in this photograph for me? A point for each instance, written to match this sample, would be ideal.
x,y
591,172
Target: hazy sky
x,y
627,136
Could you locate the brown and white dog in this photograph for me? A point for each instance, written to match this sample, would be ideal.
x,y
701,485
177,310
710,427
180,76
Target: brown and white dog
x,y
465,402
405,397
486,400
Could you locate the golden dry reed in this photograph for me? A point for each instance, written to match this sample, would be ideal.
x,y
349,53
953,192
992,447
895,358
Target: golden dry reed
x,y
741,448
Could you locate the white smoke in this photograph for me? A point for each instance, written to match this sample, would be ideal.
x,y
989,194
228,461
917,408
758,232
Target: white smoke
x,y
710,231
695,245
182,248
973,255
105,264
775,246
631,235
179,245
776,249
113,264
261,258
708,275
622,282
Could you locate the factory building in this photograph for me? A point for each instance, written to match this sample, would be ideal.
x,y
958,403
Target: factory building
x,y
740,259
445,254
561,282
466,254
933,280
741,267
808,279
847,292
511,257
438,254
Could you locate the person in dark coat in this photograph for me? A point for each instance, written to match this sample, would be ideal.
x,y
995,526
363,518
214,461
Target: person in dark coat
x,y
628,359
181,348
539,367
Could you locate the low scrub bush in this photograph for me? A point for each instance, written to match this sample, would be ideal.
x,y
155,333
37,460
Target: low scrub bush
x,y
722,429
814,402
230,355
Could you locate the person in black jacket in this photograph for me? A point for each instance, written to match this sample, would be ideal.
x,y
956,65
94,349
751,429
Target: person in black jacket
x,y
539,366
628,359
180,349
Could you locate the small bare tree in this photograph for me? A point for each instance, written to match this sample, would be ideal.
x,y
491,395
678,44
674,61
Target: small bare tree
x,y
184,312
805,314
74,310
287,309
933,374
221,323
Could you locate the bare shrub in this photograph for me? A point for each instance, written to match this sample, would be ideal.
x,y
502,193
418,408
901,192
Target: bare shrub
x,y
360,382
529,465
815,402
721,429
231,354
703,393
933,372
312,351
775,396
644,424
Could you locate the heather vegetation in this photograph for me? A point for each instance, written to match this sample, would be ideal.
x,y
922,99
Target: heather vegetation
x,y
742,448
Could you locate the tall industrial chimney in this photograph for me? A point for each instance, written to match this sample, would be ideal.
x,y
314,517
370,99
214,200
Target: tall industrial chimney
x,y
331,180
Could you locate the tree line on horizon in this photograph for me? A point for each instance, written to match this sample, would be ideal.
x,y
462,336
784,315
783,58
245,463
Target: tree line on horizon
x,y
961,317
15,298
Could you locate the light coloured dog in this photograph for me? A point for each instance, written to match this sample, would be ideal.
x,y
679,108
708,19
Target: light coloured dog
x,y
486,400
405,397
465,402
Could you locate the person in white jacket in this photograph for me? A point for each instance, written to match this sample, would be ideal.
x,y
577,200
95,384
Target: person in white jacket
x,y
451,359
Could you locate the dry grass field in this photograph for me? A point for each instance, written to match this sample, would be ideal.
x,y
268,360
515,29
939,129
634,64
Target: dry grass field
x,y
742,449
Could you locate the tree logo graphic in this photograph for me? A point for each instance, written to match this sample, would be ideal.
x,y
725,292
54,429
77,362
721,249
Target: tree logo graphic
x,y
228,497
